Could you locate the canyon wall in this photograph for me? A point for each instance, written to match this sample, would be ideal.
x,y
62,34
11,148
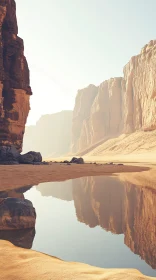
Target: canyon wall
x,y
119,105
51,135
15,89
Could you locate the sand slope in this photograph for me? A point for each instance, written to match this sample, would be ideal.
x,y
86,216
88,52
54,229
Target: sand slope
x,y
138,147
22,264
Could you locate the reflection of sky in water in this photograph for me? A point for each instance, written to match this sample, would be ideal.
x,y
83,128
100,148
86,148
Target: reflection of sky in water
x,y
59,233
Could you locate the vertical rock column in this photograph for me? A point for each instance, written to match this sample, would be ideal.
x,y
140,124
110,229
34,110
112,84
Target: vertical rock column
x,y
15,90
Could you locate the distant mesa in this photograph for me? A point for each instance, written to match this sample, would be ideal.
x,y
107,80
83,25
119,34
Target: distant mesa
x,y
51,135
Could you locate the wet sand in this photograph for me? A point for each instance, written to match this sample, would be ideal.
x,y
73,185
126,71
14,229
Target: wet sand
x,y
14,176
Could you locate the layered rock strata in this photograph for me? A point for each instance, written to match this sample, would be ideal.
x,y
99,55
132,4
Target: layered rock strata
x,y
15,88
119,105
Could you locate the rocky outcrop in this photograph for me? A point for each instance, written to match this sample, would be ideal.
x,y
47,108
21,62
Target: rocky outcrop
x,y
10,155
30,157
51,135
121,208
15,89
118,105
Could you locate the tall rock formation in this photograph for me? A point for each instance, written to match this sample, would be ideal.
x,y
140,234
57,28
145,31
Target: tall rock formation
x,y
120,105
51,135
140,90
15,90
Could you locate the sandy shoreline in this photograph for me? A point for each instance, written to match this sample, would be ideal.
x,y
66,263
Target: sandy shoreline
x,y
14,176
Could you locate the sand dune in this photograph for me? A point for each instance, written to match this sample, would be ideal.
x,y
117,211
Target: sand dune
x,y
23,264
134,147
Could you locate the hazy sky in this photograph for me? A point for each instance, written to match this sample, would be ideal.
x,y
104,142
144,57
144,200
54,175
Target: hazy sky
x,y
70,44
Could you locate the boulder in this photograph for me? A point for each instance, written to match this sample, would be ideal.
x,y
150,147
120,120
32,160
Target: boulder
x,y
16,213
9,155
66,161
77,160
30,158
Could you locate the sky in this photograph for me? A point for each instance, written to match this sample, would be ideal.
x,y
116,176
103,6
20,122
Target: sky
x,y
70,44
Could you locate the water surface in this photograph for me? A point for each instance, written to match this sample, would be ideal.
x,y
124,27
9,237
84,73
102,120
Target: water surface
x,y
97,220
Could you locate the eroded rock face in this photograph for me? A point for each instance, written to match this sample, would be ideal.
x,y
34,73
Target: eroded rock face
x,y
140,90
121,208
15,88
118,105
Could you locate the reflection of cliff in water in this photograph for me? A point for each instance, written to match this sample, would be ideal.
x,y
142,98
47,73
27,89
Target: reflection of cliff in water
x,y
120,208
17,218
61,190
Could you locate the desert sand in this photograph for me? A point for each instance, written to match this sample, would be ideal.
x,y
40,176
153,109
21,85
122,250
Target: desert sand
x,y
22,175
23,264
134,147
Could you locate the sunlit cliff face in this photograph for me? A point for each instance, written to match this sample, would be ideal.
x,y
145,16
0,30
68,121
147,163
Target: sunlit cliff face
x,y
14,79
119,105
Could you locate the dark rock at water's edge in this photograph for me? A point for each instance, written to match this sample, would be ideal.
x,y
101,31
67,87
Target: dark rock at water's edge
x,y
9,155
21,238
30,157
77,160
74,160
16,213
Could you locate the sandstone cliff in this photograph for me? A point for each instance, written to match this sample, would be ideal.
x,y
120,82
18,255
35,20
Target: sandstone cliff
x,y
51,135
121,208
119,105
14,78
